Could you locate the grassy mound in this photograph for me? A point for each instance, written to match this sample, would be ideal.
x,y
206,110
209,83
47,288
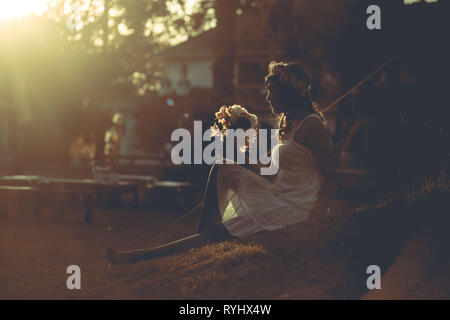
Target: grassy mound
x,y
317,259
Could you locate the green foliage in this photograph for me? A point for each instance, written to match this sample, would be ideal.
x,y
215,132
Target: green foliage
x,y
61,76
121,39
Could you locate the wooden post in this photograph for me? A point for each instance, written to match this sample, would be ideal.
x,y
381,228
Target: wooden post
x,y
58,204
3,203
88,207
18,202
12,202
27,203
39,203
141,192
107,196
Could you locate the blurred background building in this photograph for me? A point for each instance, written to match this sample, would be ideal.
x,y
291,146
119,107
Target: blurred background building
x,y
156,66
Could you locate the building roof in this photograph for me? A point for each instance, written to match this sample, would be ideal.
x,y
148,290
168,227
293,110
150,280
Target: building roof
x,y
249,41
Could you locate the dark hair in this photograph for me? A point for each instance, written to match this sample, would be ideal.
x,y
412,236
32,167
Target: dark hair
x,y
294,83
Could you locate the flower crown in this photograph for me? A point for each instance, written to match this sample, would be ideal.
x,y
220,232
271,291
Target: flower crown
x,y
281,75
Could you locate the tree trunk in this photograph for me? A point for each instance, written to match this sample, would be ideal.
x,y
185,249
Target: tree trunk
x,y
223,63
281,21
100,131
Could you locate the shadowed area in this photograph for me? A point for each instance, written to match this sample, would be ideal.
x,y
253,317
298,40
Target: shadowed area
x,y
317,259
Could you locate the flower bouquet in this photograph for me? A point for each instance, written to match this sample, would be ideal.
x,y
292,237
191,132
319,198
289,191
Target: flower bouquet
x,y
234,117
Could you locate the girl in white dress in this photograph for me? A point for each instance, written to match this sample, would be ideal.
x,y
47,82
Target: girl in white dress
x,y
239,202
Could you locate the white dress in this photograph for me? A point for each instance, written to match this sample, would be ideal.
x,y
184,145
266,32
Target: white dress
x,y
258,204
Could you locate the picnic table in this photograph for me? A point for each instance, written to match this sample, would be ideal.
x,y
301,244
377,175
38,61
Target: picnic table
x,y
46,183
136,177
21,180
35,193
92,193
105,193
18,201
142,182
53,192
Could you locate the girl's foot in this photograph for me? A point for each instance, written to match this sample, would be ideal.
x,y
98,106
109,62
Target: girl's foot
x,y
118,258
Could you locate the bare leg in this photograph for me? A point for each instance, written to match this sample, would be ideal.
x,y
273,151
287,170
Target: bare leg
x,y
213,234
210,214
209,230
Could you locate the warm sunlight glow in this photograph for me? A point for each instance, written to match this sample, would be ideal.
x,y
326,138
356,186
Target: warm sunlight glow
x,y
10,9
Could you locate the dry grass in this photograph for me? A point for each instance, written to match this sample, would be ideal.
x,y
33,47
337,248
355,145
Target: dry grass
x,y
324,258
207,269
415,191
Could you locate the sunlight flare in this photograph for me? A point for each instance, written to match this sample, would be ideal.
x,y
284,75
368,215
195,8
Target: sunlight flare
x,y
21,8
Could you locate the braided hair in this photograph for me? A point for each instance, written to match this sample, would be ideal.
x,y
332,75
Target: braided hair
x,y
293,83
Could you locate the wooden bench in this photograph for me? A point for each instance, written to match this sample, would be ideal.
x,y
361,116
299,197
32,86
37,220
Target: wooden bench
x,y
19,181
57,197
27,203
21,202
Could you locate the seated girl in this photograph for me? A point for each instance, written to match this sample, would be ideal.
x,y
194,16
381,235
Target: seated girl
x,y
239,202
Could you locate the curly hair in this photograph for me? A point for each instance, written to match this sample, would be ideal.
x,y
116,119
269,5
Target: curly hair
x,y
293,82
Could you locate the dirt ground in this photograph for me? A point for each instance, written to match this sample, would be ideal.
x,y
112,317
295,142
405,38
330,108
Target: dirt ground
x,y
34,257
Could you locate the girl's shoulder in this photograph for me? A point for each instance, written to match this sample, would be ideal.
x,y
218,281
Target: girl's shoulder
x,y
311,130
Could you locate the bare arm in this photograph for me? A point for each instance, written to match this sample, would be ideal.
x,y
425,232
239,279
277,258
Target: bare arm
x,y
256,168
314,135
